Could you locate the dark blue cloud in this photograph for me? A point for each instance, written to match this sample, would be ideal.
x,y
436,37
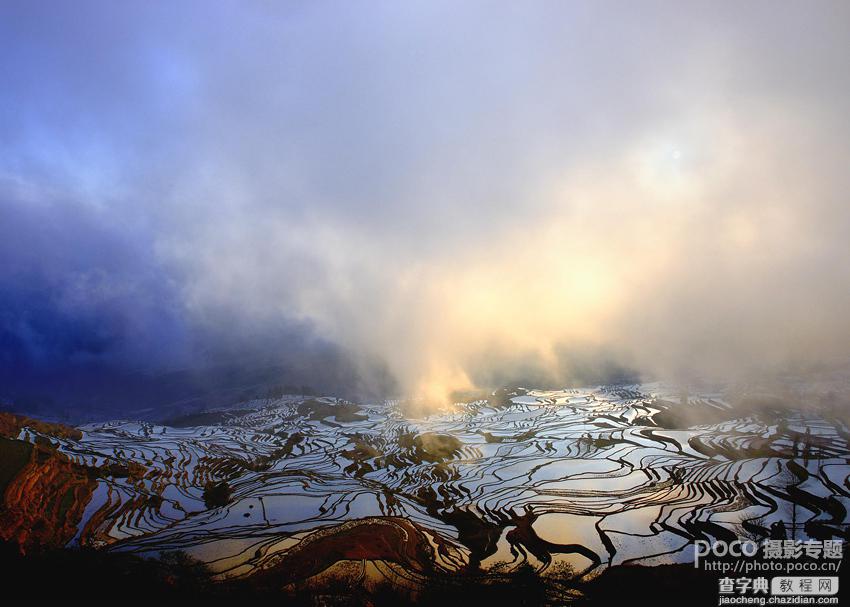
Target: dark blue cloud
x,y
75,289
93,324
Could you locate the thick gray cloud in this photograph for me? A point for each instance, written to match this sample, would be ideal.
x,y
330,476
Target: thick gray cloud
x,y
461,193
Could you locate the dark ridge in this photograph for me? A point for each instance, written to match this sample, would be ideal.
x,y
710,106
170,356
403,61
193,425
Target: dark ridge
x,y
340,411
205,418
102,575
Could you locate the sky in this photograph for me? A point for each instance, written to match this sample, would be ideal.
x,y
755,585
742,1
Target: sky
x,y
422,197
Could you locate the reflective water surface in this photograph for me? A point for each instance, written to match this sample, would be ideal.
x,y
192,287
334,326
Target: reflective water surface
x,y
579,479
